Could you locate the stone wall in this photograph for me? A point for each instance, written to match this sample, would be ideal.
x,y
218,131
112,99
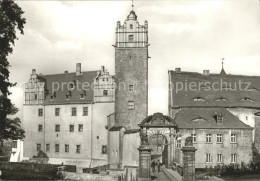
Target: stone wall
x,y
131,68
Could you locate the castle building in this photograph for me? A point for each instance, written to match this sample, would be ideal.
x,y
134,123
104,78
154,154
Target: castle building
x,y
219,111
131,96
65,115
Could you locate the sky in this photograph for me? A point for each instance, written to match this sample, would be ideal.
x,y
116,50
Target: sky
x,y
191,34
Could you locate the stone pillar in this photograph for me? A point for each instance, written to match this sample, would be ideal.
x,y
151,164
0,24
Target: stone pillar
x,y
188,163
144,163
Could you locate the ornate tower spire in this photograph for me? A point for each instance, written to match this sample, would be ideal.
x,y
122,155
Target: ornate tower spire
x,y
132,5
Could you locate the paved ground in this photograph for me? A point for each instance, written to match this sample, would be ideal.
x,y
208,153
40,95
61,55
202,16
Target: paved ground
x,y
159,176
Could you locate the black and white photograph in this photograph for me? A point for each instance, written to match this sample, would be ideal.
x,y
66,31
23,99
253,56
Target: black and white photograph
x,y
130,90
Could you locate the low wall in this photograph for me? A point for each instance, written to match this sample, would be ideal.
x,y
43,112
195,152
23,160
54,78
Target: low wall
x,y
34,167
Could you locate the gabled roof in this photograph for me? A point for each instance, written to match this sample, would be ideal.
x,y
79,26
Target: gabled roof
x,y
59,84
190,118
204,88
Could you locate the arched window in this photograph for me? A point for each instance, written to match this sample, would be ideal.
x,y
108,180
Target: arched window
x,y
131,26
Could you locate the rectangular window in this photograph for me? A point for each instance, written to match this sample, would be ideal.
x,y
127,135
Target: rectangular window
x,y
40,127
233,158
193,138
78,149
74,111
131,26
131,105
47,147
35,96
71,128
131,88
57,148
219,138
67,148
105,93
57,111
38,147
80,128
57,127
14,144
85,111
219,158
208,157
40,112
233,138
208,138
131,38
178,143
104,149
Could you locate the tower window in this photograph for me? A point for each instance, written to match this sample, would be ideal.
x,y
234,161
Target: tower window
x,y
131,26
35,96
131,105
105,93
131,88
131,38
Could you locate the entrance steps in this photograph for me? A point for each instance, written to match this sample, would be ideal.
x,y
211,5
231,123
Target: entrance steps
x,y
172,175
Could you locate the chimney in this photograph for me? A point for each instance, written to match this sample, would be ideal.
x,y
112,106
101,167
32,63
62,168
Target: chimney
x,y
205,72
178,70
65,72
78,69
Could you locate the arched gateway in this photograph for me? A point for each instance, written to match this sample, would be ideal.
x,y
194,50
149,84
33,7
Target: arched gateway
x,y
161,133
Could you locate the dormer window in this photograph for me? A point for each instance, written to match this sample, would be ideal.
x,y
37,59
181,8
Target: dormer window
x,y
246,99
219,117
68,95
200,99
253,89
131,38
221,99
131,26
82,94
71,86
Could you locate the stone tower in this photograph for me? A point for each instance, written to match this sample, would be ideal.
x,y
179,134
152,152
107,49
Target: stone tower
x,y
131,69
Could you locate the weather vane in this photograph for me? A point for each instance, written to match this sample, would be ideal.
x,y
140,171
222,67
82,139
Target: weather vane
x,y
132,4
222,62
